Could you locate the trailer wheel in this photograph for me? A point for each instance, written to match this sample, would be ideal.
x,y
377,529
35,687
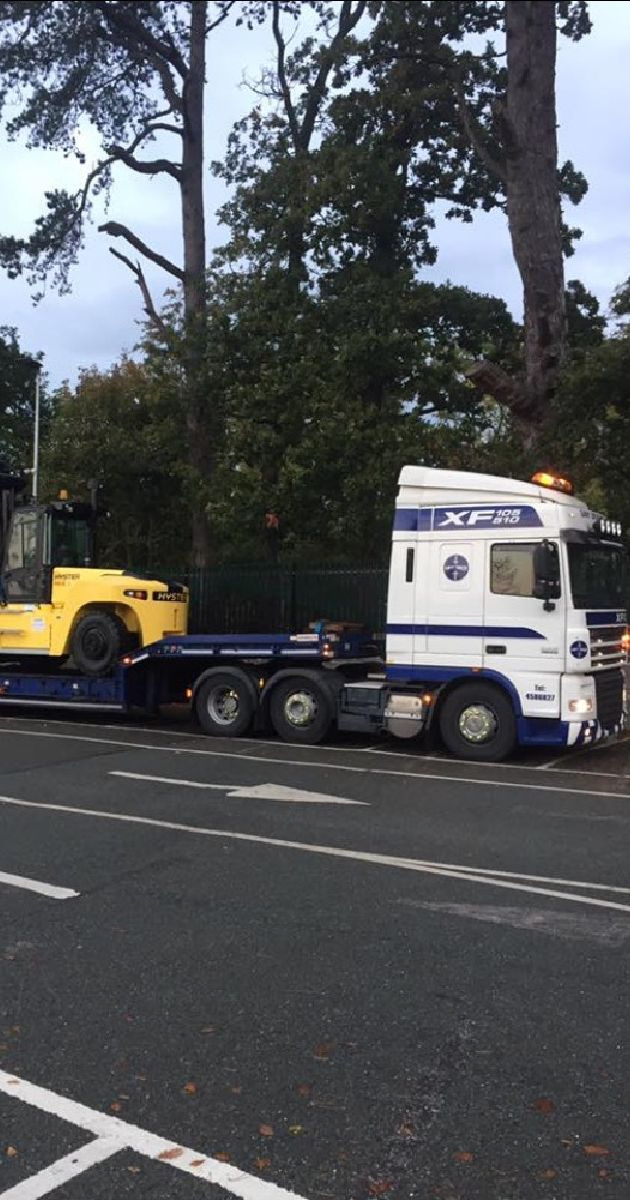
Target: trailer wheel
x,y
224,705
477,722
301,710
98,640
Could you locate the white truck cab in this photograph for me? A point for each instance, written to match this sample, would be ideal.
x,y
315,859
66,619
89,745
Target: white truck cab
x,y
506,605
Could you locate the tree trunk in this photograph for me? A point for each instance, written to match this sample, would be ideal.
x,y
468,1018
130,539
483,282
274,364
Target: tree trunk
x,y
533,200
195,299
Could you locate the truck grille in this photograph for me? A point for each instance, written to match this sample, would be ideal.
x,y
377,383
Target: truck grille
x,y
609,696
606,649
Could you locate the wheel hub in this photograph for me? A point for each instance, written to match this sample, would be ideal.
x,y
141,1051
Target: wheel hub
x,y
223,705
477,723
300,709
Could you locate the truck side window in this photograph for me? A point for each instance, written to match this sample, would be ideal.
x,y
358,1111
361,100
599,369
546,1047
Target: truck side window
x,y
22,548
512,569
409,565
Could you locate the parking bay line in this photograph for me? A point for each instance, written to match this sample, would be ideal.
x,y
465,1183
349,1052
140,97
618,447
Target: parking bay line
x,y
324,766
35,885
119,1135
260,791
64,1169
469,874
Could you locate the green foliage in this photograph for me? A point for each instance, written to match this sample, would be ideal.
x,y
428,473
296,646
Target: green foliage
x,y
115,428
18,372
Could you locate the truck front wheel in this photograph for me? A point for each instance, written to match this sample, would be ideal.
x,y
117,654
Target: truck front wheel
x,y
477,722
301,710
97,642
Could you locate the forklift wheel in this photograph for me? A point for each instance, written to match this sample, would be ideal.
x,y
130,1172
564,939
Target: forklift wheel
x,y
97,642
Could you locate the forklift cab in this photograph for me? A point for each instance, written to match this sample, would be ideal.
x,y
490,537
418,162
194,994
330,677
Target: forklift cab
x,y
40,539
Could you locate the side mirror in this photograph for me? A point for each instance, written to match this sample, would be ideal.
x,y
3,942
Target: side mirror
x,y
547,573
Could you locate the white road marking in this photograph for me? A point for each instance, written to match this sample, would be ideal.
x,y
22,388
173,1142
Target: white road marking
x,y
130,1137
470,874
35,885
63,1169
604,929
325,766
260,791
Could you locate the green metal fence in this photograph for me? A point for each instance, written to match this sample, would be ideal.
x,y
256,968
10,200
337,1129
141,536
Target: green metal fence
x,y
262,598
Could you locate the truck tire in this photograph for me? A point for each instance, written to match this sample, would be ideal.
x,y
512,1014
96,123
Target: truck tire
x,y
301,709
98,641
477,722
225,705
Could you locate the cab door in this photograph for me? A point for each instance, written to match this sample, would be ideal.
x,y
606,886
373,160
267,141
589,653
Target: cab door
x,y
25,611
520,635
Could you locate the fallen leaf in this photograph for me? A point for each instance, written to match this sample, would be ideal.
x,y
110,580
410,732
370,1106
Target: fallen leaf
x,y
545,1105
595,1151
548,1174
406,1130
303,1088
323,1051
603,1173
463,1156
380,1186
3,1048
115,1106
221,1156
11,1152
16,1029
262,1163
169,1155
265,1130
567,1143
134,1170
208,1029
190,1089
296,1130
121,1096
236,1089
197,1162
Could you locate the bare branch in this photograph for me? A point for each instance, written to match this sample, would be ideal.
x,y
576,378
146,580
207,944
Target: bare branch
x,y
154,166
474,133
491,379
115,229
282,75
225,12
348,19
149,306
164,126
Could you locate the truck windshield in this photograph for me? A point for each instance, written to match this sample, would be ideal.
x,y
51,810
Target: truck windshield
x,y
598,575
71,542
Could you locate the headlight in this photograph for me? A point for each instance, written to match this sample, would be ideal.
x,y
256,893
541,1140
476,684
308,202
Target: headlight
x,y
585,705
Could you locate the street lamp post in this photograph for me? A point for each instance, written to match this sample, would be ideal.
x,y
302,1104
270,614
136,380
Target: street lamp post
x,y
35,472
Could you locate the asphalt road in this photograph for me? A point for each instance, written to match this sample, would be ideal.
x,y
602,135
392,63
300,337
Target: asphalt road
x,y
260,991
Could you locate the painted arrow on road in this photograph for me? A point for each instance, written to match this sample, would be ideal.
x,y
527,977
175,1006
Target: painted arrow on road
x,y
260,791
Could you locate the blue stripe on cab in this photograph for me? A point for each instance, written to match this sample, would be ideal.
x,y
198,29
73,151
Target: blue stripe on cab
x,y
485,631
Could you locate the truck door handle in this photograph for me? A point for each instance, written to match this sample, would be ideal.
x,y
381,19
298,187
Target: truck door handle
x,y
496,649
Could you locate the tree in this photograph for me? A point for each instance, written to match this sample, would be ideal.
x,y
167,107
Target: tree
x,y
18,371
117,428
136,71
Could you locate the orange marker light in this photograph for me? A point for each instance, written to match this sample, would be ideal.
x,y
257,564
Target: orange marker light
x,y
557,483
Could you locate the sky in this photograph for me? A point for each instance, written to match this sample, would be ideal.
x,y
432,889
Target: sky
x,y
100,318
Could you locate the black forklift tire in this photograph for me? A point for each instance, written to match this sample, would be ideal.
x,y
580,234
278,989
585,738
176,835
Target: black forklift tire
x,y
477,723
301,709
97,642
224,705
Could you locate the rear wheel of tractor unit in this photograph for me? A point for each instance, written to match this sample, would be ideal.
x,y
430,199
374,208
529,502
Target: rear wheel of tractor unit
x,y
301,709
477,722
98,641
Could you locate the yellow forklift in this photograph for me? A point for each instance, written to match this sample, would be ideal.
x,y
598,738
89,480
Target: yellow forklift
x,y
55,603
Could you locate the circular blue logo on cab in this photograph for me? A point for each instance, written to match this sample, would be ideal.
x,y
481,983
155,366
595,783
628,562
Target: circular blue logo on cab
x,y
456,567
578,649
